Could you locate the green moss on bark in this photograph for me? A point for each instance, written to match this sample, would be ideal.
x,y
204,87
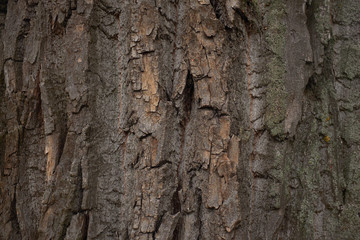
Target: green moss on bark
x,y
276,95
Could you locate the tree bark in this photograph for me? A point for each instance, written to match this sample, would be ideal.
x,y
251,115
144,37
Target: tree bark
x,y
169,119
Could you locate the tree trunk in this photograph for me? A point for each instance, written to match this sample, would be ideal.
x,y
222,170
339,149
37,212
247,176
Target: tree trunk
x,y
180,119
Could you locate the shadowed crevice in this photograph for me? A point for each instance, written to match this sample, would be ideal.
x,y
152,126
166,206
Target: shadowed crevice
x,y
217,9
86,227
177,231
157,225
3,6
188,98
14,219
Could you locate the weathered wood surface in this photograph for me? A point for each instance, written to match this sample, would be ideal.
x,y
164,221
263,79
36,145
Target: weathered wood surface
x,y
180,119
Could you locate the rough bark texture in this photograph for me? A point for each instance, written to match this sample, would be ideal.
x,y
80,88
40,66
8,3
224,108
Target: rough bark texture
x,y
180,119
